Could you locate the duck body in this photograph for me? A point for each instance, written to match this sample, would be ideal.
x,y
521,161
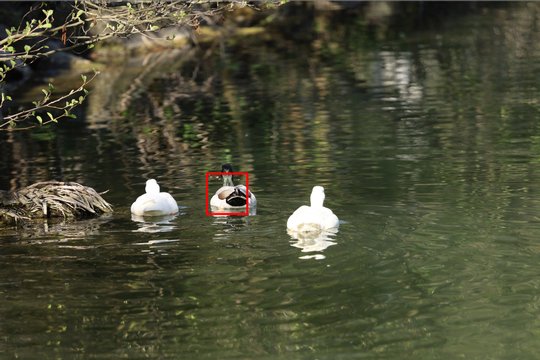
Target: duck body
x,y
313,218
231,196
154,202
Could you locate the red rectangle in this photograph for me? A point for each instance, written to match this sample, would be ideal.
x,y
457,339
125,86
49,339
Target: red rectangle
x,y
227,213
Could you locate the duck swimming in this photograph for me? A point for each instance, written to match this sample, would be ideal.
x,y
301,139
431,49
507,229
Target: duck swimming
x,y
51,199
315,217
154,202
230,196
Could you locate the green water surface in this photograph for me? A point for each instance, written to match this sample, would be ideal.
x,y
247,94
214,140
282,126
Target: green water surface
x,y
426,139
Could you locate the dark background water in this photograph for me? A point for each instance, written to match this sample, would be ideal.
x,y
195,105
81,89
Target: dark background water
x,y
425,135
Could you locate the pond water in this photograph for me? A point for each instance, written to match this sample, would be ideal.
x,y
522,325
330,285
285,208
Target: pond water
x,y
427,141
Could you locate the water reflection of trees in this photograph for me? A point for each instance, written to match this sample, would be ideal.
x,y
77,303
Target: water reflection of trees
x,y
173,102
438,124
302,102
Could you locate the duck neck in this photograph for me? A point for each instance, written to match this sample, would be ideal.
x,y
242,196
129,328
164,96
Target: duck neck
x,y
227,180
317,199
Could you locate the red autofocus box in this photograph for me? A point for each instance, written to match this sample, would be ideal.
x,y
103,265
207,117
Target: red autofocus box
x,y
227,213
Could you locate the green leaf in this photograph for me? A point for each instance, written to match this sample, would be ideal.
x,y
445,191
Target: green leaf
x,y
90,46
50,116
79,13
45,92
27,48
39,119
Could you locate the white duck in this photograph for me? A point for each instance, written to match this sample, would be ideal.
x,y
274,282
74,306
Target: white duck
x,y
315,217
230,196
154,203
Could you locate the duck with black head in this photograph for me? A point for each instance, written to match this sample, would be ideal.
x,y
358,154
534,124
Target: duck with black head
x,y
231,196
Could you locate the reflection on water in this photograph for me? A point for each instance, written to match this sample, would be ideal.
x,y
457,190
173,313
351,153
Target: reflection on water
x,y
155,223
426,140
219,212
226,226
314,241
160,247
56,229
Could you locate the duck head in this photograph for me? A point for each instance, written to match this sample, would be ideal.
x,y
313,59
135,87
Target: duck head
x,y
152,187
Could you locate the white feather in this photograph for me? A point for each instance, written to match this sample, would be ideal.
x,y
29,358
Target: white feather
x,y
154,202
219,200
315,217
